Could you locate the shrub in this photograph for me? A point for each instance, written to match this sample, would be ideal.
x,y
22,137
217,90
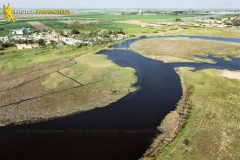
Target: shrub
x,y
236,22
186,141
75,31
81,45
7,44
1,47
54,43
178,20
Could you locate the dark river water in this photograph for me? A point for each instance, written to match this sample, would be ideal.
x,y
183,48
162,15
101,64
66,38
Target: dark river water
x,y
122,130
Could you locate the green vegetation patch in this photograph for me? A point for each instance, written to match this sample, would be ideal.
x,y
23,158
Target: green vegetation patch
x,y
212,129
55,24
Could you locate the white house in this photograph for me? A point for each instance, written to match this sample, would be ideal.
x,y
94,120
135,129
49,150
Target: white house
x,y
27,46
20,31
17,32
71,41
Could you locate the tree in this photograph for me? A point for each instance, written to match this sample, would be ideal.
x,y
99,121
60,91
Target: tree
x,y
7,44
75,31
41,42
186,141
178,19
236,21
120,31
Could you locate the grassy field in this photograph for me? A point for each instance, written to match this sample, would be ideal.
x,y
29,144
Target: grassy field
x,y
12,59
123,17
171,30
114,25
217,32
180,30
47,83
211,129
172,49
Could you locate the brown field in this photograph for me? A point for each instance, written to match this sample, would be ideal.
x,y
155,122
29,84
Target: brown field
x,y
140,23
39,25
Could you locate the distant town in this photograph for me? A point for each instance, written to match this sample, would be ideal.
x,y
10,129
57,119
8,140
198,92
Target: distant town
x,y
25,38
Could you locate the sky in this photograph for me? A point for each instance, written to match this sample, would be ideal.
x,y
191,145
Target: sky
x,y
122,3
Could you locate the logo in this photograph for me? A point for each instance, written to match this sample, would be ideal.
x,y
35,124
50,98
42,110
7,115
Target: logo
x,y
7,11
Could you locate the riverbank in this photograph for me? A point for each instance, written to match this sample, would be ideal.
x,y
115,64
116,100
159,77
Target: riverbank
x,y
212,127
210,131
172,123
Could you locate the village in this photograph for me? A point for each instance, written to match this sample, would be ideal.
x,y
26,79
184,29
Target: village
x,y
25,38
224,22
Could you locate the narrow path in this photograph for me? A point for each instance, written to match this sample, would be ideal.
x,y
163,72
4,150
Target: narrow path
x,y
64,75
29,81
